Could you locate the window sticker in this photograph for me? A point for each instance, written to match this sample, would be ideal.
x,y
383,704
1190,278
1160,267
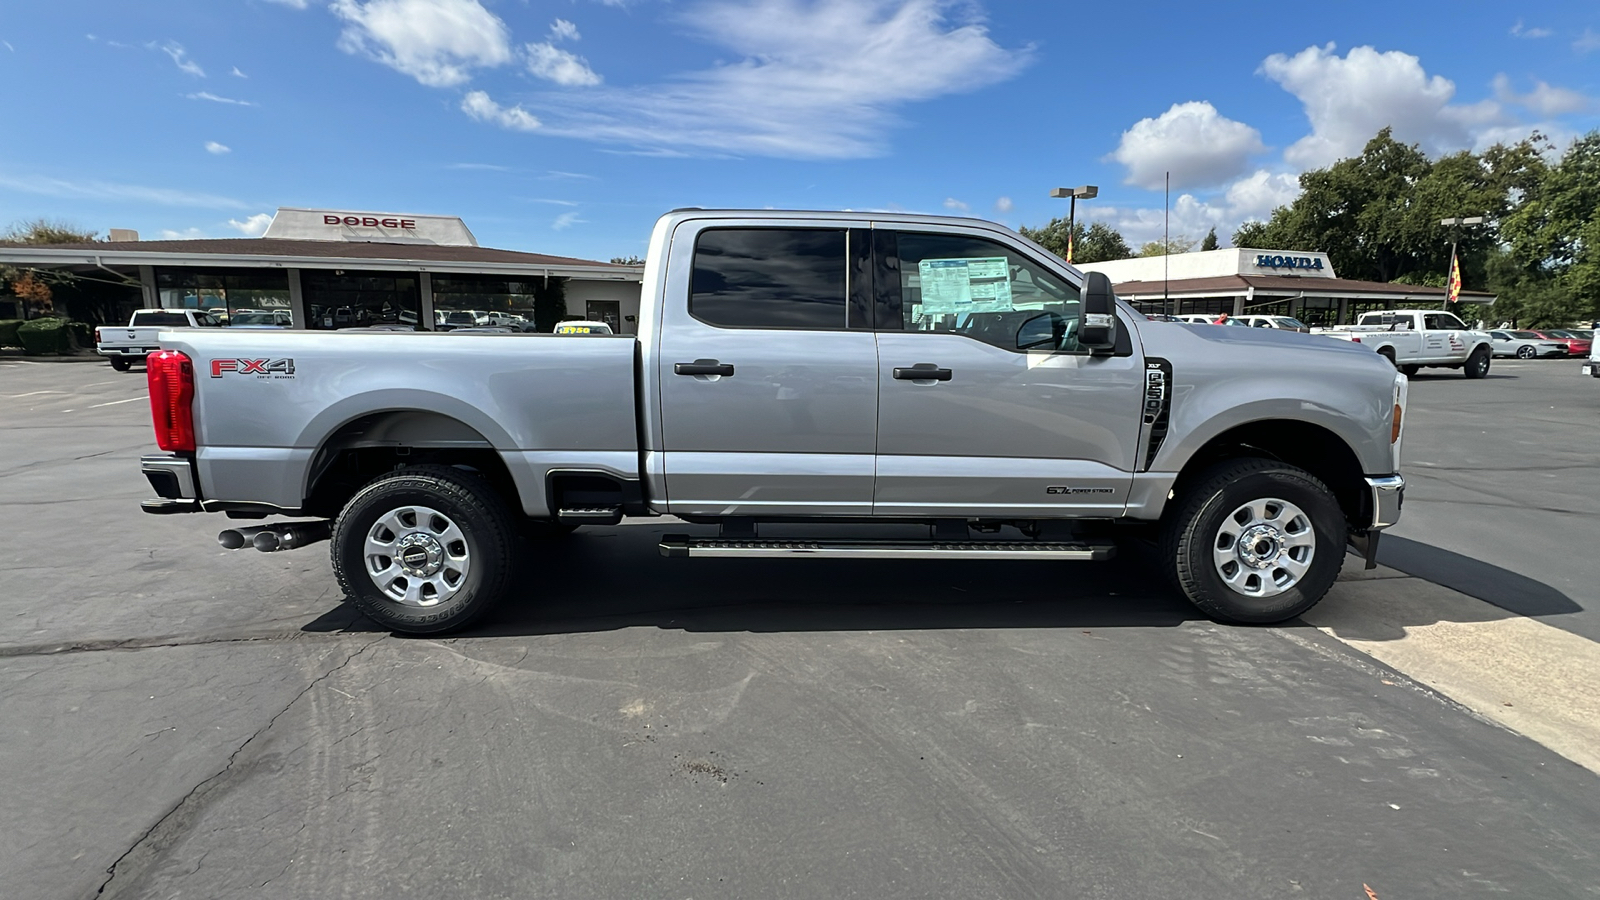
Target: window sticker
x,y
965,285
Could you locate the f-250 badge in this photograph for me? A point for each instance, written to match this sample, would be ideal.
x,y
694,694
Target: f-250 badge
x,y
263,368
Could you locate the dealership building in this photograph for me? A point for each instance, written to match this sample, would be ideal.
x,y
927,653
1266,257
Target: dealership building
x,y
1243,282
326,269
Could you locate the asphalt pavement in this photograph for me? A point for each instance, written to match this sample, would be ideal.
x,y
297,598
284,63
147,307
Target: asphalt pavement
x,y
183,721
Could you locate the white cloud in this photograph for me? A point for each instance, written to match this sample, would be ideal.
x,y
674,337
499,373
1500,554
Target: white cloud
x,y
816,79
562,30
188,234
559,176
1543,99
1198,145
110,191
551,63
180,58
567,220
207,95
8,46
252,226
1587,41
1003,205
238,74
478,105
552,202
218,149
297,4
437,42
1349,99
478,167
953,203
1533,33
1251,197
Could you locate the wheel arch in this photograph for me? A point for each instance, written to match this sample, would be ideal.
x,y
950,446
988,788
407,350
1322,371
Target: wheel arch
x,y
1305,445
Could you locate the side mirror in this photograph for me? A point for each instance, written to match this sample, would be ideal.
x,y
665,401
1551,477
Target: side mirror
x,y
1045,330
1099,329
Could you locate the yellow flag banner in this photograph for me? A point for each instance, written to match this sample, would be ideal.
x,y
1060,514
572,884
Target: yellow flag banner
x,y
1069,245
1453,286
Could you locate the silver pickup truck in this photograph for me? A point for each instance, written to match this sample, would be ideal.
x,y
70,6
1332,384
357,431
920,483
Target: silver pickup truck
x,y
851,369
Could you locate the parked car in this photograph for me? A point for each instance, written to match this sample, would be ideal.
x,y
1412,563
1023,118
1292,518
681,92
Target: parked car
x,y
1054,408
1414,338
1523,345
1576,346
123,347
1284,323
577,327
1209,319
458,318
261,318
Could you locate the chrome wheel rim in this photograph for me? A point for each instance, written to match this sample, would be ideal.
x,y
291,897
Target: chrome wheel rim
x,y
417,556
1525,352
1264,547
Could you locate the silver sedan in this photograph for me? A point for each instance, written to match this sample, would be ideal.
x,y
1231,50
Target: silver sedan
x,y
1524,345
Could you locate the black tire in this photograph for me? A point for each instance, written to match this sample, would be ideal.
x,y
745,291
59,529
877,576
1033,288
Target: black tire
x,y
1388,354
1478,363
1192,526
121,364
489,537
1409,371
1526,352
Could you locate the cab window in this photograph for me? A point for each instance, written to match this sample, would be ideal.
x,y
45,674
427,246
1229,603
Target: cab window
x,y
1442,322
786,278
953,284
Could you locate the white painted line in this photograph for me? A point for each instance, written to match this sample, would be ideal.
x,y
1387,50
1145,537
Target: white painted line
x,y
114,402
33,394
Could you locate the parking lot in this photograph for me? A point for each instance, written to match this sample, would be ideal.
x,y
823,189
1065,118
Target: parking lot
x,y
180,720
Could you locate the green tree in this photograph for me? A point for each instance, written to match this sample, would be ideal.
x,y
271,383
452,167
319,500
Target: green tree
x,y
627,260
1554,234
1210,242
1168,246
1095,242
34,286
47,231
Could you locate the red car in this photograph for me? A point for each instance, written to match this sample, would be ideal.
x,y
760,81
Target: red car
x,y
1576,346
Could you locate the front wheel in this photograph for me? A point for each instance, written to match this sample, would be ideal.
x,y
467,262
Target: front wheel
x,y
1254,541
1478,363
425,549
1526,352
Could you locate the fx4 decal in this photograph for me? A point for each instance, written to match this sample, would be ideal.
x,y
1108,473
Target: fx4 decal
x,y
279,367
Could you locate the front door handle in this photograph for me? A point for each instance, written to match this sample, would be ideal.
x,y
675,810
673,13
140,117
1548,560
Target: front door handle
x,y
702,367
922,371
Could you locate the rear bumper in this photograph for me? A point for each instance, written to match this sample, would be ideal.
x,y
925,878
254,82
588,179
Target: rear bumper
x,y
1388,493
172,478
134,352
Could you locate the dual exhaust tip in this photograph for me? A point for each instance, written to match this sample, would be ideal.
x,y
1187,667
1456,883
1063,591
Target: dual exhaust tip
x,y
272,538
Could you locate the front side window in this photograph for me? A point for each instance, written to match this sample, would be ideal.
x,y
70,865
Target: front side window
x,y
788,278
953,284
1442,322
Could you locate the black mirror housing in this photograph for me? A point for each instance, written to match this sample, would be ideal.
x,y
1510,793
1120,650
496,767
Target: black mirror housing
x,y
1098,332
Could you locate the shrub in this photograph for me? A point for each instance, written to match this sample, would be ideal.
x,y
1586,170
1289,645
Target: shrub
x,y
8,332
44,336
82,335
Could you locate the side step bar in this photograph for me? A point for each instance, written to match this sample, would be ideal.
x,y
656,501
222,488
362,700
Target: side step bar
x,y
681,545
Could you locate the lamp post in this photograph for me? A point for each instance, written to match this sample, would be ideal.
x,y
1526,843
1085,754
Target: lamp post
x,y
1454,224
1087,192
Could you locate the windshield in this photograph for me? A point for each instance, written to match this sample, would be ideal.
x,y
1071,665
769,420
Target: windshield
x,y
1286,322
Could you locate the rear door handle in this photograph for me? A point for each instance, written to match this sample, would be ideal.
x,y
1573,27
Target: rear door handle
x,y
702,367
922,371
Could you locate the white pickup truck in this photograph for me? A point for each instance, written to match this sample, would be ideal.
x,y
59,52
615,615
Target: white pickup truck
x,y
126,346
1415,338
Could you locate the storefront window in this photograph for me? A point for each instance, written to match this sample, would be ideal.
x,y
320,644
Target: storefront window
x,y
361,299
1357,307
1319,312
1213,305
460,301
249,293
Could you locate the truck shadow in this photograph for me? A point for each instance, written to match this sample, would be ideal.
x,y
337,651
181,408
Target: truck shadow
x,y
607,579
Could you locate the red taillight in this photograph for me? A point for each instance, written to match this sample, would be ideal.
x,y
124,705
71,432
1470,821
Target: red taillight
x,y
171,377
97,335
1355,338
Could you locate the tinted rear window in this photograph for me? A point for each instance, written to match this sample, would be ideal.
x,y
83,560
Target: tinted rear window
x,y
788,278
161,319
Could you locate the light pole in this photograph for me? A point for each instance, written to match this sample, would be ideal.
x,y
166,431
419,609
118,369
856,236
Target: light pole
x,y
1452,283
1087,192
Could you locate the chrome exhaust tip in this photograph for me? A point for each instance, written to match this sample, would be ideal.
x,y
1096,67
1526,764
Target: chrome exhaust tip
x,y
234,538
291,536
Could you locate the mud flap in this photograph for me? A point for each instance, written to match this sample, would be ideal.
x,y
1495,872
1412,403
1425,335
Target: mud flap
x,y
1366,544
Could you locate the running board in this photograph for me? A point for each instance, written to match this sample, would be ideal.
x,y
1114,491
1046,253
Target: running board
x,y
679,545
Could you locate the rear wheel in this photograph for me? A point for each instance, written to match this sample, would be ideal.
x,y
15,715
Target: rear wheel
x,y
1388,354
1478,363
1526,352
1409,371
1254,541
425,549
120,363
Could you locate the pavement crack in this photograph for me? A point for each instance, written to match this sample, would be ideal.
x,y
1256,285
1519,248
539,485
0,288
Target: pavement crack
x,y
59,648
171,825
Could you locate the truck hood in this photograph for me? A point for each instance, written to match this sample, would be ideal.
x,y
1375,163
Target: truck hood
x,y
1168,338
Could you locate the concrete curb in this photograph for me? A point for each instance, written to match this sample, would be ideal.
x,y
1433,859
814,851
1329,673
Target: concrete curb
x,y
18,356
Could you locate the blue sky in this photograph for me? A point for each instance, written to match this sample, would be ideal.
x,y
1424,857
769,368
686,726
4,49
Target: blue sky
x,y
567,126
